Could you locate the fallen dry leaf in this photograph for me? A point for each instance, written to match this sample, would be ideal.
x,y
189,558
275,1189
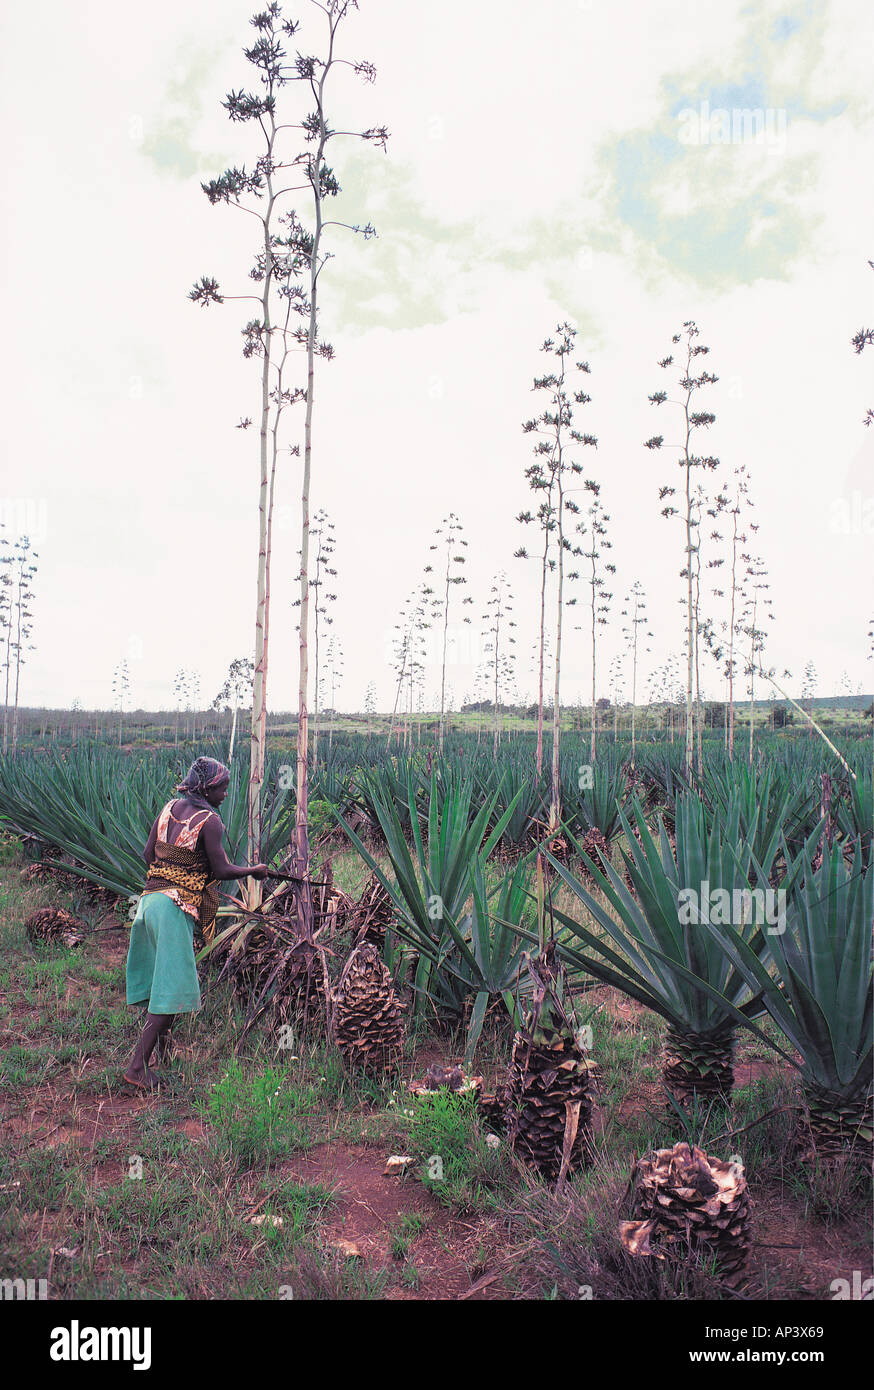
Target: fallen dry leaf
x,y
347,1248
396,1163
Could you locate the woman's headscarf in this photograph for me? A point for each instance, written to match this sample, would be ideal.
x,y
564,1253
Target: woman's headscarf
x,y
203,773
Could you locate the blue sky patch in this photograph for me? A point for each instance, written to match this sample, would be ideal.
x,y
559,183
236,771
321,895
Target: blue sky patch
x,y
785,27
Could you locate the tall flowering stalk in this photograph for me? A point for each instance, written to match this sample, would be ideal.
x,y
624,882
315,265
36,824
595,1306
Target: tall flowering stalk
x,y
635,633
498,645
692,421
289,254
595,527
449,542
554,461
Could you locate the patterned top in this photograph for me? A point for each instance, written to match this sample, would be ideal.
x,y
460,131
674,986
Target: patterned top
x,y
188,837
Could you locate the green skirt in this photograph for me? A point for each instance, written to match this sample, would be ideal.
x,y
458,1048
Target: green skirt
x,y
160,961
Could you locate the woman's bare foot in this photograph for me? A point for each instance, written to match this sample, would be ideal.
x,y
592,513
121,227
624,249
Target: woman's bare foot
x,y
144,1078
138,1072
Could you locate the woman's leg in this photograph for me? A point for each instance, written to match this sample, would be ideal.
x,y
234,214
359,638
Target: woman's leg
x,y
165,1041
139,1071
173,986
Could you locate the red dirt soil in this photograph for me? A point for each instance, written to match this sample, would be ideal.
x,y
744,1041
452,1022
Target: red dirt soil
x,y
448,1252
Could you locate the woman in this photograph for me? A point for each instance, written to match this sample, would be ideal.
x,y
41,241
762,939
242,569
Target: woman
x,y
185,861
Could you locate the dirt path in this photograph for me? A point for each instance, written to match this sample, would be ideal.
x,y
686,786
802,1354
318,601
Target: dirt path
x,y
448,1252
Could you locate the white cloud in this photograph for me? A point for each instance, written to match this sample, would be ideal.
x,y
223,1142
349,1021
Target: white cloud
x,y
494,224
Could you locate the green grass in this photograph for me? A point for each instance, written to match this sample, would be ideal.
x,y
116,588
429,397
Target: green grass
x,y
300,1204
260,1117
568,1248
34,1066
456,1161
47,1176
182,1231
405,1231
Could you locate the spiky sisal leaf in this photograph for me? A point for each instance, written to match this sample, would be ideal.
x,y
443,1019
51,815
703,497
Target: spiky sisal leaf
x,y
98,805
670,965
430,885
819,988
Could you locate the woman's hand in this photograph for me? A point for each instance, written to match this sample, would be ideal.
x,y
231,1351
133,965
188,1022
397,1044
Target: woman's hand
x,y
259,871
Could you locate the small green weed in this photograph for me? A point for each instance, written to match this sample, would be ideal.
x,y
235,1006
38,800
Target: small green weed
x,y
259,1117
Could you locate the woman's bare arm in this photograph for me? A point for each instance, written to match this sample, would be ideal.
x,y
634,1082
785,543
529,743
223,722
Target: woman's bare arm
x,y
219,862
149,851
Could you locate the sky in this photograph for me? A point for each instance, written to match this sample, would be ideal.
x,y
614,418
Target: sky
x,y
574,161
